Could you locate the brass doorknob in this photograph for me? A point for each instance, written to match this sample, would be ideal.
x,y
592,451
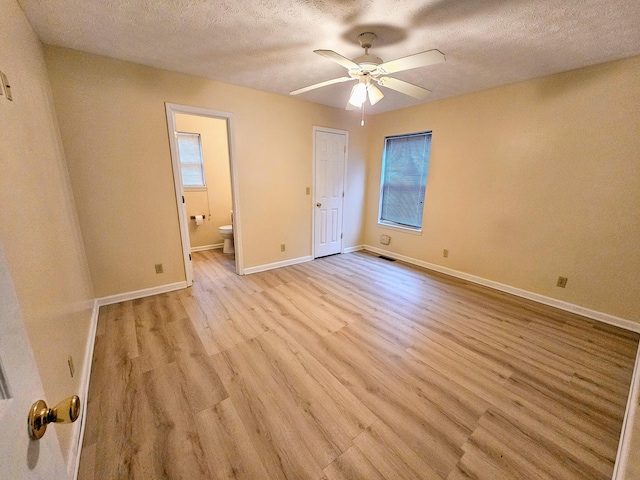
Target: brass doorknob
x,y
66,411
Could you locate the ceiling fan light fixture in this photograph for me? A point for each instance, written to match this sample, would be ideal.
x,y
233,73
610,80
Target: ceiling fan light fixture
x,y
375,95
358,94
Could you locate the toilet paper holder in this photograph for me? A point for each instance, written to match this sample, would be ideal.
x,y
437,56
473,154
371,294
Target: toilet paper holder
x,y
193,217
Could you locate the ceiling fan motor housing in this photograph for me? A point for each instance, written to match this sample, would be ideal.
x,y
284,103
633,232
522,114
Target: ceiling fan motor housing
x,y
368,62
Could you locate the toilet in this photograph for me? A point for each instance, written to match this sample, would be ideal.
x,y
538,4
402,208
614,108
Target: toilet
x,y
226,232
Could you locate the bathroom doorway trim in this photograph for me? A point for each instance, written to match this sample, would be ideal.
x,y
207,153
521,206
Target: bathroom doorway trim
x,y
172,109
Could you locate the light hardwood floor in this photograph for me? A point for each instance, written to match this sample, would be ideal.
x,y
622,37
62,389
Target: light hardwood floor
x,y
351,367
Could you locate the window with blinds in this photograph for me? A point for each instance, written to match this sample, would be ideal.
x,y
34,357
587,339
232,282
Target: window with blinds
x,y
405,164
190,152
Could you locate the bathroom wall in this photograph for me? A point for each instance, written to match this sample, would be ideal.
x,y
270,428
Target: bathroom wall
x,y
38,224
531,181
215,201
114,130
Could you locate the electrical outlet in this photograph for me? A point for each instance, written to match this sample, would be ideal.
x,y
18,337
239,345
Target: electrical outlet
x,y
282,247
445,253
562,282
385,239
308,190
72,369
159,268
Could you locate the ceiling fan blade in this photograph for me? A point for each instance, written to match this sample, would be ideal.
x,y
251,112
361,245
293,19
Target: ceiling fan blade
x,y
404,87
375,95
336,57
423,59
321,84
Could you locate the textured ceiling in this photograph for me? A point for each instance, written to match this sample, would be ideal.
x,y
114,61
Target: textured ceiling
x,y
268,44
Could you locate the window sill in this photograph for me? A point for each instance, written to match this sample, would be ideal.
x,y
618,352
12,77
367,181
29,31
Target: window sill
x,y
195,189
391,226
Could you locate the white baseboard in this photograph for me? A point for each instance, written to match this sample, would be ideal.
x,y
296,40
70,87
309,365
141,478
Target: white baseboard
x,y
73,462
626,440
147,292
553,302
202,248
271,266
353,249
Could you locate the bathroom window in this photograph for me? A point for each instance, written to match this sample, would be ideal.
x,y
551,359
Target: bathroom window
x,y
190,153
405,164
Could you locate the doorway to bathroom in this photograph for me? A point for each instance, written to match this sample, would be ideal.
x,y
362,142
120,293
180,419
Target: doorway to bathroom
x,y
205,180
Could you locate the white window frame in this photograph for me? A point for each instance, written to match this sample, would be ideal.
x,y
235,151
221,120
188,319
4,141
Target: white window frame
x,y
388,223
203,186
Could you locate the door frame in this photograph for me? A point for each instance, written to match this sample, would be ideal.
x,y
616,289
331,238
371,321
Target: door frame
x,y
344,185
172,109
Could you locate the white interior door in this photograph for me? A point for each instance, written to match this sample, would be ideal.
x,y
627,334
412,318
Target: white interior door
x,y
330,154
20,387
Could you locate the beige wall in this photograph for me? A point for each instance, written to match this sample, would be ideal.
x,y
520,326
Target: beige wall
x,y
113,124
215,201
540,176
38,224
531,181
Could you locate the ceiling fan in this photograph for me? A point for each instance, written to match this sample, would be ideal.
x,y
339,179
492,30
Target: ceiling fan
x,y
370,70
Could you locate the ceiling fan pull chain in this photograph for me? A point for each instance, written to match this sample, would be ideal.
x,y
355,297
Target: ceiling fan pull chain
x,y
362,121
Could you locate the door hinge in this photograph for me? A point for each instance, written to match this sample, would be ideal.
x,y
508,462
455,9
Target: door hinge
x,y
189,256
182,198
342,194
345,149
341,235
